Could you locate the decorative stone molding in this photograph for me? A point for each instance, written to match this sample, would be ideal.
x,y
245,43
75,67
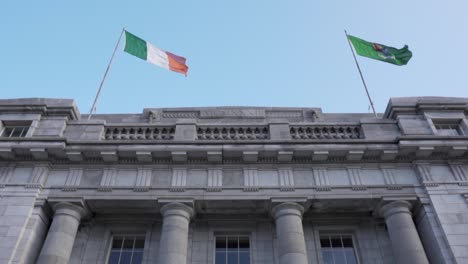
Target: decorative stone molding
x,y
179,180
389,154
214,156
286,179
75,156
354,175
295,115
459,173
143,180
7,153
6,173
38,176
215,179
73,179
139,132
107,180
424,173
232,132
325,131
250,180
167,114
395,207
321,179
179,209
389,178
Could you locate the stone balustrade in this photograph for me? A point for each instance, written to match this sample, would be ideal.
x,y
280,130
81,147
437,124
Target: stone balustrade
x,y
325,132
227,132
232,132
139,133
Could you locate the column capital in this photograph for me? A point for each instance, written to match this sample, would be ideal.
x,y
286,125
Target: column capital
x,y
66,208
179,209
287,208
395,207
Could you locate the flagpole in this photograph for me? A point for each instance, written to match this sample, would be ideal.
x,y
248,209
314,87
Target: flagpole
x,y
93,108
360,73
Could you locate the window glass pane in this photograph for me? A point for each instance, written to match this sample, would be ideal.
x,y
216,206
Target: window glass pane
x,y
327,256
336,242
244,242
137,257
347,242
128,243
114,257
123,251
232,242
339,256
232,258
221,242
244,258
117,243
350,257
220,258
126,257
140,243
15,131
325,242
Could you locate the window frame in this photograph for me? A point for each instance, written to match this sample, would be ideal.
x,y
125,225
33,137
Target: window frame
x,y
338,229
435,119
228,234
26,124
455,124
111,240
341,234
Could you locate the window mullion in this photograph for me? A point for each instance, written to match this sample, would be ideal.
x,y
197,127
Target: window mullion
x,y
238,250
121,249
133,250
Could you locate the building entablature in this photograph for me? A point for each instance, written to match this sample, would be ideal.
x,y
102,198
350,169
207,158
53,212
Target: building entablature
x,y
411,129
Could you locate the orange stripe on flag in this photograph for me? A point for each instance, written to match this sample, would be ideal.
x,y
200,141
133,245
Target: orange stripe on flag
x,y
177,63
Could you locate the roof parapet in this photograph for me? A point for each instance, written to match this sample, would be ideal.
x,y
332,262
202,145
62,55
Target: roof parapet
x,y
415,105
43,106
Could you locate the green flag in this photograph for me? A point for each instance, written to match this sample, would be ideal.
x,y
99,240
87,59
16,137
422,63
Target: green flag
x,y
381,52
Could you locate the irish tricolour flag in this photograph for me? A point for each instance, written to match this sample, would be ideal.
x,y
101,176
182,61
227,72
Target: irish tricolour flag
x,y
147,51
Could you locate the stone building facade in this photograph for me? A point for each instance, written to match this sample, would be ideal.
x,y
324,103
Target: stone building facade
x,y
236,185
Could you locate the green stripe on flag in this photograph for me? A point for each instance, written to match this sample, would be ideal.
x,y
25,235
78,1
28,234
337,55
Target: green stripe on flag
x,y
135,46
381,52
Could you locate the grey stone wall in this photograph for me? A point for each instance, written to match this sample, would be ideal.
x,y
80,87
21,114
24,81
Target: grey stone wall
x,y
231,166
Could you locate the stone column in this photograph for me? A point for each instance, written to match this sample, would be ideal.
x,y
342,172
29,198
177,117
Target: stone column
x,y
289,233
174,234
406,244
58,245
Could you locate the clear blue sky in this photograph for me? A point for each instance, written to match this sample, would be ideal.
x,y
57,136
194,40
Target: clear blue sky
x,y
243,52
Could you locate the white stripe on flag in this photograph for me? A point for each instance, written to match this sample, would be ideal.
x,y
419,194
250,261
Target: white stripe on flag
x,y
157,56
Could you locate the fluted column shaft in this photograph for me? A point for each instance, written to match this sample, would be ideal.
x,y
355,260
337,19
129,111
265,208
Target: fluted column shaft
x,y
406,244
289,233
59,242
174,235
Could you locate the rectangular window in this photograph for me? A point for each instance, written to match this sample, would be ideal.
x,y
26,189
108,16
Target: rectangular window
x,y
127,250
232,250
13,131
337,249
448,127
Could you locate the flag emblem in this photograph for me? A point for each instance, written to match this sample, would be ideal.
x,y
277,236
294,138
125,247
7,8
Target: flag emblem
x,y
381,52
